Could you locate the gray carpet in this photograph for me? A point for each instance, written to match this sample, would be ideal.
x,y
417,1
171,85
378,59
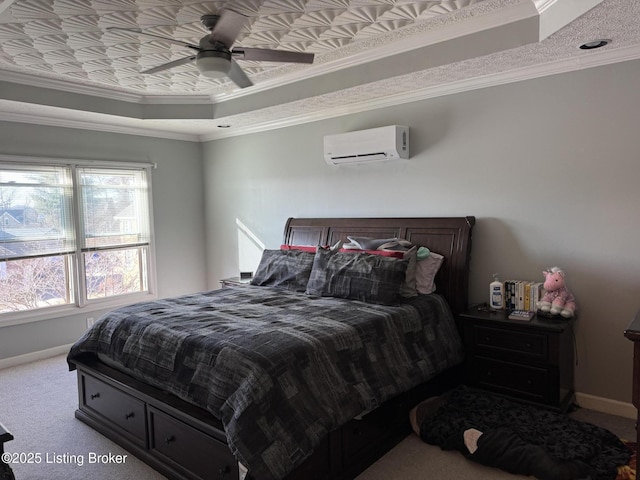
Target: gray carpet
x,y
38,400
37,404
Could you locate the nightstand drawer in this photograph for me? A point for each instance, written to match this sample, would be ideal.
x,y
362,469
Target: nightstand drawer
x,y
532,345
511,378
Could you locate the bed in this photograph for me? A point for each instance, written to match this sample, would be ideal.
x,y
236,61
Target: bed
x,y
307,382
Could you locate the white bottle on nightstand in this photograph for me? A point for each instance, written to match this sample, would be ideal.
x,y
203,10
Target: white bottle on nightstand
x,y
496,293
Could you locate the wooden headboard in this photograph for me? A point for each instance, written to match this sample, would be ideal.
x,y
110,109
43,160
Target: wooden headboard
x,y
450,237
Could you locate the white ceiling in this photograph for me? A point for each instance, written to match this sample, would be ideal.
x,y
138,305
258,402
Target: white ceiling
x,y
59,64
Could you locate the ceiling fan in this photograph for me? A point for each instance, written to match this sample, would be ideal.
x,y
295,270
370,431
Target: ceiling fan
x,y
214,57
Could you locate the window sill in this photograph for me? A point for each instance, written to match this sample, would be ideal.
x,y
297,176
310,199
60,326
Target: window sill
x,y
19,318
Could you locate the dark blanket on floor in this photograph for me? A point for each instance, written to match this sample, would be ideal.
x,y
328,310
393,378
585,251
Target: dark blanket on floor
x,y
525,439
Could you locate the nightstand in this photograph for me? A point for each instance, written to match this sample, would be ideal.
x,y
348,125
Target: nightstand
x,y
235,281
526,360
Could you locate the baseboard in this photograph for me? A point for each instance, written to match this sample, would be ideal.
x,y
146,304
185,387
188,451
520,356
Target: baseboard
x,y
606,405
34,356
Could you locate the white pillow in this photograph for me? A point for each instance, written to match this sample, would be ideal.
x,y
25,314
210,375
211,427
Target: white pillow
x,y
426,270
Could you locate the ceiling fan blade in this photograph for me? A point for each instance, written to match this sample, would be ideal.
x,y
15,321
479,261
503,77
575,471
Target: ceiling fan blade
x,y
166,66
228,27
168,39
266,55
238,76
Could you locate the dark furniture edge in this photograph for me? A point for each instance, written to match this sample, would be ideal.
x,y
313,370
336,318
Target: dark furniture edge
x,y
633,330
5,435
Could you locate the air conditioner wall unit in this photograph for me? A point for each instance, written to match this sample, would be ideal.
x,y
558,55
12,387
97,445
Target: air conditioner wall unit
x,y
363,146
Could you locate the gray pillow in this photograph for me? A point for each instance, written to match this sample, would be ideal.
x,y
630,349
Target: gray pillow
x,y
360,276
288,269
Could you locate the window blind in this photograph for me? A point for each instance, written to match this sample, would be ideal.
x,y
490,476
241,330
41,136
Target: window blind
x,y
36,211
114,208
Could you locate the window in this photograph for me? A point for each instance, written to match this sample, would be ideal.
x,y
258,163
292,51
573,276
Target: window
x,y
73,235
115,231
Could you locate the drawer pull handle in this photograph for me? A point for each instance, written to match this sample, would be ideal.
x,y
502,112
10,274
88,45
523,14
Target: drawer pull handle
x,y
170,439
129,415
95,395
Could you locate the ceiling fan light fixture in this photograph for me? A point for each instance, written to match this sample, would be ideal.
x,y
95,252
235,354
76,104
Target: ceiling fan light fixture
x,y
213,64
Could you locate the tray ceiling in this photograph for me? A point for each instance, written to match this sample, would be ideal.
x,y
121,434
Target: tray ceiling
x,y
368,52
70,37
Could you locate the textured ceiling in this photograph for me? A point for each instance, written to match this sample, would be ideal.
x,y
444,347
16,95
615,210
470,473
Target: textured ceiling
x,y
70,37
369,53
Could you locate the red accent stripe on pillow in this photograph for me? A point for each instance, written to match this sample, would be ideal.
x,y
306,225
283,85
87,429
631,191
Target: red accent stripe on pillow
x,y
382,253
304,248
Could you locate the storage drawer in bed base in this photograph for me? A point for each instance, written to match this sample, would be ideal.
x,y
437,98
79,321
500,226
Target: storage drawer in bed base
x,y
182,427
184,442
122,412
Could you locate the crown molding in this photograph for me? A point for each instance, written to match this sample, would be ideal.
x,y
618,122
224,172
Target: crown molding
x,y
594,59
483,17
512,76
433,34
31,80
176,99
66,85
107,127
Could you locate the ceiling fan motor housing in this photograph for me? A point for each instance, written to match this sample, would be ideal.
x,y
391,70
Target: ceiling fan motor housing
x,y
213,63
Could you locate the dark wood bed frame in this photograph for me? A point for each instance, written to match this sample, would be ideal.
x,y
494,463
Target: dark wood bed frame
x,y
185,442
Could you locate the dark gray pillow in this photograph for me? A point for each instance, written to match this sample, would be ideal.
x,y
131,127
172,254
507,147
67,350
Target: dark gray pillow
x,y
288,269
359,276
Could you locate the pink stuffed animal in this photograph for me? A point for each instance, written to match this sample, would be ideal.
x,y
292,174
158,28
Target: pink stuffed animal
x,y
557,298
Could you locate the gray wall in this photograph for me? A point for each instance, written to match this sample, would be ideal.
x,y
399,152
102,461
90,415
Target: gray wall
x,y
549,167
178,207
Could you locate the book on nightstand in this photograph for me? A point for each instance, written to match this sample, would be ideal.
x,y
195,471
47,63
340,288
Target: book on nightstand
x,y
524,315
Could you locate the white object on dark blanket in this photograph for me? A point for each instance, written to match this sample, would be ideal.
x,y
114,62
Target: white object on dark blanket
x,y
471,437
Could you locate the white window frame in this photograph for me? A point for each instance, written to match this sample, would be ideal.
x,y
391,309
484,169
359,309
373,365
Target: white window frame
x,y
81,304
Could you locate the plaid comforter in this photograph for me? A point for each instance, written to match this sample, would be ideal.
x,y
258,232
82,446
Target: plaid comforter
x,y
280,369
